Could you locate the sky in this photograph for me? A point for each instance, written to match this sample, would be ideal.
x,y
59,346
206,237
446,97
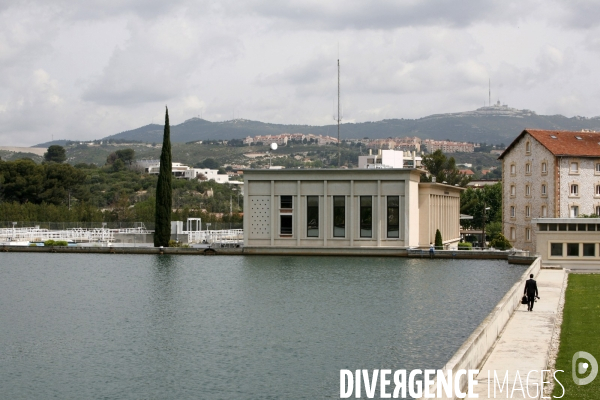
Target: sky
x,y
83,70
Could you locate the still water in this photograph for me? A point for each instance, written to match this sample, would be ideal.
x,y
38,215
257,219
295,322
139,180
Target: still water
x,y
192,327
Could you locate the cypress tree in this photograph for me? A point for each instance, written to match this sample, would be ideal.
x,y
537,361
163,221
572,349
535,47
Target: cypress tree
x,y
162,219
439,244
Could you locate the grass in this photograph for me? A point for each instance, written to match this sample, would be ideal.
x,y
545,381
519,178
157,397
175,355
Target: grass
x,y
579,332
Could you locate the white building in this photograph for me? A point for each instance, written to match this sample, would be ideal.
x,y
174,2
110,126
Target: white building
x,y
182,171
389,159
548,174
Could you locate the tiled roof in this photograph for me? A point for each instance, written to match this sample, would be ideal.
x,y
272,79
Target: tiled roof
x,y
564,143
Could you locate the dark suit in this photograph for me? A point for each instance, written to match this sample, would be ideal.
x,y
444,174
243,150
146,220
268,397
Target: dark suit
x,y
531,291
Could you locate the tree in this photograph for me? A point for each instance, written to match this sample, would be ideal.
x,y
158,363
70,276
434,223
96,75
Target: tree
x,y
443,169
126,155
56,154
164,191
209,163
439,244
472,202
500,242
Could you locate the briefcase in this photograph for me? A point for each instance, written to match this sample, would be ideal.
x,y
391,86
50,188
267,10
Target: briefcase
x,y
524,300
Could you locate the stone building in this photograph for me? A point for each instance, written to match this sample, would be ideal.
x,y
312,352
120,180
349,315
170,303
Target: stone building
x,y
356,211
548,174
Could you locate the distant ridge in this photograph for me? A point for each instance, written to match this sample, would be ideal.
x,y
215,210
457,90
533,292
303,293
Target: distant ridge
x,y
493,124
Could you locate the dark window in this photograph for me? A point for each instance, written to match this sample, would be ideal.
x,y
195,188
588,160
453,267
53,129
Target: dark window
x,y
562,227
393,216
285,226
339,216
552,227
581,227
589,249
556,249
286,202
543,227
572,227
366,216
573,249
312,216
591,227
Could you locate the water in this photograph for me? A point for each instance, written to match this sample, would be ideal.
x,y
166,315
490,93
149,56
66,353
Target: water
x,y
192,327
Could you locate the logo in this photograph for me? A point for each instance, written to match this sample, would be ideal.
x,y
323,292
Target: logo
x,y
582,367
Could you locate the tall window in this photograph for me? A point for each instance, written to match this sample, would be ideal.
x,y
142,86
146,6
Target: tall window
x,y
528,168
574,190
597,210
513,234
312,216
574,167
597,190
339,216
513,169
543,189
598,168
393,216
528,147
512,211
544,211
574,211
366,216
527,211
527,190
527,234
285,224
513,190
544,168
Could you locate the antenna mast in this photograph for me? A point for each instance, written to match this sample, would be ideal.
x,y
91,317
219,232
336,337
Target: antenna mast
x,y
338,116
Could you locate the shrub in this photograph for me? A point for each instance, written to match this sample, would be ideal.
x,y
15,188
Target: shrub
x,y
500,242
49,242
439,244
465,246
61,243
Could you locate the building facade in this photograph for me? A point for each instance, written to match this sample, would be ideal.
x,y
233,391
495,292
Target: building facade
x,y
296,210
548,174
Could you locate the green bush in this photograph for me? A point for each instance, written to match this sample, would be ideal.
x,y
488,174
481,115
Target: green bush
x,y
49,242
500,242
465,246
32,245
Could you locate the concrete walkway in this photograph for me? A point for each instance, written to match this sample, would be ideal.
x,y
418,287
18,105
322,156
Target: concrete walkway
x,y
524,344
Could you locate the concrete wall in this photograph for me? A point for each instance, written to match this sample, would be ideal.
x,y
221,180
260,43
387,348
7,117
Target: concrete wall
x,y
475,349
436,203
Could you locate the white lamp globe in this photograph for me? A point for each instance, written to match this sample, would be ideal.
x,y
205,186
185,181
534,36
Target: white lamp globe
x,y
273,146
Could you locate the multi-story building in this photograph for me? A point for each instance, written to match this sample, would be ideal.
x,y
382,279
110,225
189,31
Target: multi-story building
x,y
548,174
449,146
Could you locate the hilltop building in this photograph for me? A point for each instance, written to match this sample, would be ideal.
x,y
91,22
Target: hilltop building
x,y
181,171
548,175
338,211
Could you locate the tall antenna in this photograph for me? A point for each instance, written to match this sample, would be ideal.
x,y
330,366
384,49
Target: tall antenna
x,y
490,92
339,117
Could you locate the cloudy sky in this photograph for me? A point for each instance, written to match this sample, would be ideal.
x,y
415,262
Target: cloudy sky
x,y
87,69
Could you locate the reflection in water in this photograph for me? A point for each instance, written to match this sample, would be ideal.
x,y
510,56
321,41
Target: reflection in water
x,y
183,327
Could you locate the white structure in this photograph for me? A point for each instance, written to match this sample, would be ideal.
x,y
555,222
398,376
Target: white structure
x,y
571,243
389,159
359,210
182,171
548,174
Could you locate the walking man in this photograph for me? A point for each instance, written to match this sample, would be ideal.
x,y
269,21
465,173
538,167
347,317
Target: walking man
x,y
531,291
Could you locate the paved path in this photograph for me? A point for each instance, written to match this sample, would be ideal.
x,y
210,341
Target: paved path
x,y
525,343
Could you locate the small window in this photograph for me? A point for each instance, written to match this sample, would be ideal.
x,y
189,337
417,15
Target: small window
x,y
527,211
598,210
312,216
366,216
543,227
527,190
556,249
574,211
513,234
573,249
286,202
598,168
589,249
528,168
544,168
544,189
528,234
339,216
513,169
597,190
574,190
285,225
528,147
591,227
513,190
544,211
393,217
512,211
574,168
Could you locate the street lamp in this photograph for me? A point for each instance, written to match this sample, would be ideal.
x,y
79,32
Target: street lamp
x,y
273,148
483,234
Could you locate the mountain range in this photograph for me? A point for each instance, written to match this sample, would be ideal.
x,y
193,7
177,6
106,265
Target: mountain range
x,y
493,124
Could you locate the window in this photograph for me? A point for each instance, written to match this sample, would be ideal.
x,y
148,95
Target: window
x,y
556,249
574,211
589,249
544,168
527,190
312,216
286,202
597,210
366,216
527,211
574,190
598,168
285,224
513,169
528,147
573,249
528,234
513,234
528,168
597,190
544,211
339,216
513,190
544,189
393,216
574,169
512,211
